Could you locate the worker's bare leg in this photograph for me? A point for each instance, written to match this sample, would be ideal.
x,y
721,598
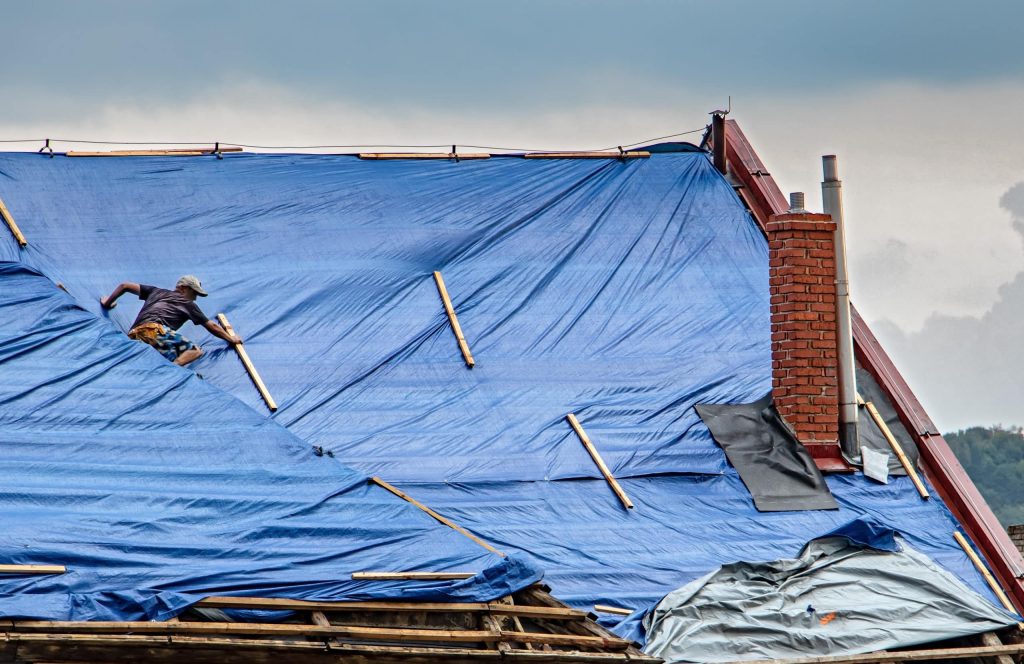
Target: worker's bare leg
x,y
191,355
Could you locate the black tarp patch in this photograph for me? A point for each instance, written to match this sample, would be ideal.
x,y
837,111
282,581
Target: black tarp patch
x,y
777,470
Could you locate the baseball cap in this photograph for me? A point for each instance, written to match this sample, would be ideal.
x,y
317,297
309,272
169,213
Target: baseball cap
x,y
192,281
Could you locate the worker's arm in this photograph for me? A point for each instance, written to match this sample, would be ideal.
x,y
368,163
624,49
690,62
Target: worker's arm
x,y
218,331
127,287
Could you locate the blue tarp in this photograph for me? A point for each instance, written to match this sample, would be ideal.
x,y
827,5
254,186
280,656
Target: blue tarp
x,y
622,291
157,489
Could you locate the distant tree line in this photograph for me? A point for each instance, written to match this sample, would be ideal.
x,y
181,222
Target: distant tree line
x,y
994,458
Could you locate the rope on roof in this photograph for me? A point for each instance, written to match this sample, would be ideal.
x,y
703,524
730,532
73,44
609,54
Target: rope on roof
x,y
253,146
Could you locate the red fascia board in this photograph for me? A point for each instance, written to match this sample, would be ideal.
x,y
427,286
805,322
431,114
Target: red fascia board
x,y
764,198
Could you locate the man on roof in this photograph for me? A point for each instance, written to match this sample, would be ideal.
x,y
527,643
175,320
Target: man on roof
x,y
164,312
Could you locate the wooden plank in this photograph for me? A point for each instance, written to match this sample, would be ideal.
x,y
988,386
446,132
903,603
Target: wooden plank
x,y
418,635
247,363
268,629
576,656
161,152
904,656
896,447
497,608
32,569
575,424
424,155
135,648
615,610
137,153
635,154
607,643
456,328
448,522
9,220
980,566
411,576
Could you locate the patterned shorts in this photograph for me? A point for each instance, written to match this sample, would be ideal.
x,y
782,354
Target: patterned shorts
x,y
168,342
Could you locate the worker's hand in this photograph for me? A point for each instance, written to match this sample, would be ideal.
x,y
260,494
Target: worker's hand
x,y
106,303
235,340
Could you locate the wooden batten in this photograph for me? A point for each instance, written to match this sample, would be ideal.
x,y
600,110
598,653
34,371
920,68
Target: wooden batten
x,y
883,657
497,608
418,635
453,320
614,610
169,152
448,522
250,368
897,449
637,154
32,569
9,220
135,153
411,576
980,566
612,482
424,155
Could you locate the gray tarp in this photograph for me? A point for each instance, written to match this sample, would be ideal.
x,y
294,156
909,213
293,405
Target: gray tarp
x,y
836,598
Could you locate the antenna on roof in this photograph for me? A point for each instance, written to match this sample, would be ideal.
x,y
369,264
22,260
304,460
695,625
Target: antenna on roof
x,y
725,112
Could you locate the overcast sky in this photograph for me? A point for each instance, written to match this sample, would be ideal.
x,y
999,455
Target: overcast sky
x,y
921,100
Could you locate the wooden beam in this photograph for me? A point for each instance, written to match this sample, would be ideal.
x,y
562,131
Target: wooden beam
x,y
497,608
448,522
160,152
456,328
424,155
247,363
213,650
416,635
980,566
137,153
411,576
585,439
9,220
636,154
903,656
896,447
32,569
615,610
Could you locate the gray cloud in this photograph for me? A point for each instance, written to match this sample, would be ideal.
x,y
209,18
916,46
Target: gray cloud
x,y
969,370
452,54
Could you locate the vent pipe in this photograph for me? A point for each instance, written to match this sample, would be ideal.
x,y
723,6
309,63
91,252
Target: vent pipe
x,y
797,200
832,202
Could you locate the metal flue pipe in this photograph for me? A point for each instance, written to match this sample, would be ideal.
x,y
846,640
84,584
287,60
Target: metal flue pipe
x,y
832,202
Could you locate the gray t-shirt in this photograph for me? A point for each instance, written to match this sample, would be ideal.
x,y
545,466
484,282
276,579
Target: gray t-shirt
x,y
167,307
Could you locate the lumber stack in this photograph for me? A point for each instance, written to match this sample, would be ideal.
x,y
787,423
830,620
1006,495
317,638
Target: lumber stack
x,y
529,625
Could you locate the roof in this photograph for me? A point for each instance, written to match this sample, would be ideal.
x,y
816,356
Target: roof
x,y
623,291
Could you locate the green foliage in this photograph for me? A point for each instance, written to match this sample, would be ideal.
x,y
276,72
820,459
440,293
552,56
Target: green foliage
x,y
994,458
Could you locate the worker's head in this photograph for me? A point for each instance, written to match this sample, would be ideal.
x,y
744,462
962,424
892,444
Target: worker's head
x,y
190,287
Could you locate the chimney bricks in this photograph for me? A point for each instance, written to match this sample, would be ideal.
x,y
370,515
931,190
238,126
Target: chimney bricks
x,y
805,384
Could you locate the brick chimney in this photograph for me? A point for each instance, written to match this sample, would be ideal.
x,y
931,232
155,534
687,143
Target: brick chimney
x,y
805,386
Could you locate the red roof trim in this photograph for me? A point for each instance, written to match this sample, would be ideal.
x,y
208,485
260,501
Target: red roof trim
x,y
764,198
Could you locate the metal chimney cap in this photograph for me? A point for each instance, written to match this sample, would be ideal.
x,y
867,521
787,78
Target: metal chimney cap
x,y
796,202
830,168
